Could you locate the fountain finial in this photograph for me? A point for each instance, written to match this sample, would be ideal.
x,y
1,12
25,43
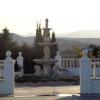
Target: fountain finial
x,y
46,22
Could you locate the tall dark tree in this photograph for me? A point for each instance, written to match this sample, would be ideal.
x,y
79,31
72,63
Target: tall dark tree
x,y
6,42
38,37
38,50
27,52
54,47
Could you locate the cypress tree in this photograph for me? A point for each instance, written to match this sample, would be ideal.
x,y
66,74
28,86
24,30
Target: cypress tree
x,y
54,47
38,50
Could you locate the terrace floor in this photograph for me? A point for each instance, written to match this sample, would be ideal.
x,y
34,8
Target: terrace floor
x,y
49,91
46,88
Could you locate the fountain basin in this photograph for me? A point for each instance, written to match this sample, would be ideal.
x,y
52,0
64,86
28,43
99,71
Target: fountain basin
x,y
45,61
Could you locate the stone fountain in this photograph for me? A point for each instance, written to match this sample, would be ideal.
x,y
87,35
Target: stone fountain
x,y
46,61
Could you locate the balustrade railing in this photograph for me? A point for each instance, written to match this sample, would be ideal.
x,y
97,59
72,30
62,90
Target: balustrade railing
x,y
74,63
70,62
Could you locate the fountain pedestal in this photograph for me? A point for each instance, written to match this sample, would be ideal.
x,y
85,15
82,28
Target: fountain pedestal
x,y
46,65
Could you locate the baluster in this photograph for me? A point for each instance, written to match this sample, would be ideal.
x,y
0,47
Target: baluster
x,y
70,65
67,62
72,60
63,63
77,60
1,68
94,70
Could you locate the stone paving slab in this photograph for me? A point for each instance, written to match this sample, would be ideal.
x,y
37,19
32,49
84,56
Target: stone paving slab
x,y
46,90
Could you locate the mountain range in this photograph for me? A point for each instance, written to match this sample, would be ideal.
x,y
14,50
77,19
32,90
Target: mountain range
x,y
85,34
63,42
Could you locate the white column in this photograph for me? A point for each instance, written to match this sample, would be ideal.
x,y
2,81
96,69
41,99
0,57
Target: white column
x,y
85,74
8,73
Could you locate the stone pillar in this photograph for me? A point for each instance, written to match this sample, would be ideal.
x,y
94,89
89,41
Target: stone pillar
x,y
8,73
85,74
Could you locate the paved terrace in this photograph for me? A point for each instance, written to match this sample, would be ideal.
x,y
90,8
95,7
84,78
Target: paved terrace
x,y
48,91
46,88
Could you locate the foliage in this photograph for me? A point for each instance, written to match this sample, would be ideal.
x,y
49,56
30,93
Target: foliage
x,y
38,50
94,51
27,52
78,52
54,47
6,43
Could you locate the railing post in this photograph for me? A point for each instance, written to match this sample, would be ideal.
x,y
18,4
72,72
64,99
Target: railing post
x,y
1,68
85,74
94,70
8,73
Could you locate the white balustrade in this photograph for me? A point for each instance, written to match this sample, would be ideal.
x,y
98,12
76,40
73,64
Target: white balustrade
x,y
96,68
70,62
73,63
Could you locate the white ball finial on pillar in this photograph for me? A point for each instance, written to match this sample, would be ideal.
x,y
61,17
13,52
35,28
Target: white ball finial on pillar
x,y
85,52
20,53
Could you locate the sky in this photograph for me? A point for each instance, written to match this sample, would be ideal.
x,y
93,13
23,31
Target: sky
x,y
65,16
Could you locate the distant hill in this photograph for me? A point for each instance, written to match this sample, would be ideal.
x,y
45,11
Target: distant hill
x,y
85,34
95,41
21,39
63,43
70,43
